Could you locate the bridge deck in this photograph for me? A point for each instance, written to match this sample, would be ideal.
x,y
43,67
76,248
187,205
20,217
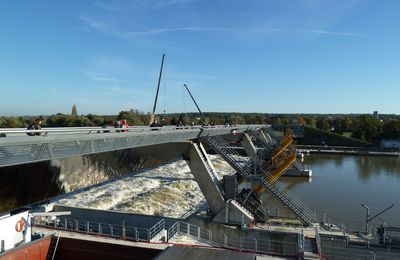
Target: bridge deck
x,y
19,148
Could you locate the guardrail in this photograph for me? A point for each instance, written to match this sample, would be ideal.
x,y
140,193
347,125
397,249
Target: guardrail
x,y
156,230
109,129
201,206
102,229
264,246
340,248
203,235
173,230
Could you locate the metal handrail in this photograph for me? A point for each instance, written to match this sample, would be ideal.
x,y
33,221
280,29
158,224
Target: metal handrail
x,y
99,228
15,150
282,193
156,229
292,201
113,129
284,248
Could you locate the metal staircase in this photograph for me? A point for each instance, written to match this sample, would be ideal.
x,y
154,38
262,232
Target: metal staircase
x,y
252,202
245,170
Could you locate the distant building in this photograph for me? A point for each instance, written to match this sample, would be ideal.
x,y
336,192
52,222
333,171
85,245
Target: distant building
x,y
376,114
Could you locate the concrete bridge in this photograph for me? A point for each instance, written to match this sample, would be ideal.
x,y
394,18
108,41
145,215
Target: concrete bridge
x,y
16,147
72,151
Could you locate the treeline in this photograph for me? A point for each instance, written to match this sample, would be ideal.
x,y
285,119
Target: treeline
x,y
363,127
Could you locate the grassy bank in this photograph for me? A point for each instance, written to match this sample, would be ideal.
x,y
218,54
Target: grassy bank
x,y
313,136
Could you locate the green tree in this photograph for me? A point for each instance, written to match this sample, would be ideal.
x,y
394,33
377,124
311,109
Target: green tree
x,y
391,129
3,122
367,128
14,122
322,123
174,121
58,120
132,116
216,120
339,125
235,119
310,121
301,120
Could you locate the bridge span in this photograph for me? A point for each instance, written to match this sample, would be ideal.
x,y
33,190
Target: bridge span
x,y
16,147
68,155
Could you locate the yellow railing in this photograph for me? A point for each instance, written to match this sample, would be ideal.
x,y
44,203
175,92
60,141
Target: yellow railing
x,y
280,170
286,140
259,188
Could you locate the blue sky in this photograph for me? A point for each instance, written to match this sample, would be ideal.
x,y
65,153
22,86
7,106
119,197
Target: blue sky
x,y
270,56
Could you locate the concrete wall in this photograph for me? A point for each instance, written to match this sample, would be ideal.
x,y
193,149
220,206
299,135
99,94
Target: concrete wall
x,y
288,240
278,209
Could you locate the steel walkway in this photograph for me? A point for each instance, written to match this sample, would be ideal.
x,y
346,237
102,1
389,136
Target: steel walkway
x,y
305,214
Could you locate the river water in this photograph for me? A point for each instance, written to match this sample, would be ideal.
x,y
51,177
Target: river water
x,y
338,187
341,183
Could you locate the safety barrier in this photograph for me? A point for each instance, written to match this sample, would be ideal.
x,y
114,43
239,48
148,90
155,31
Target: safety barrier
x,y
203,235
102,229
264,246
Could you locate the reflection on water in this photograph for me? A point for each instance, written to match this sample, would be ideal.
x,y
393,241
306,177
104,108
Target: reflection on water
x,y
340,183
367,166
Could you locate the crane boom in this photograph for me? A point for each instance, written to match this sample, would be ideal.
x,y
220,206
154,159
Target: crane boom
x,y
198,108
158,89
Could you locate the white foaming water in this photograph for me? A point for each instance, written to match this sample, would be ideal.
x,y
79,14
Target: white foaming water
x,y
169,190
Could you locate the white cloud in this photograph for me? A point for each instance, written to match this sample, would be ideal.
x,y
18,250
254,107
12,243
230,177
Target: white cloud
x,y
314,31
134,20
98,76
117,32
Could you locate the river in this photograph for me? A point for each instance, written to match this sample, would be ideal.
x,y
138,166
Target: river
x,y
338,187
341,183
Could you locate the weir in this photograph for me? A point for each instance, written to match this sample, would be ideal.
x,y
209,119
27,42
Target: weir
x,y
232,210
251,171
226,206
223,210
